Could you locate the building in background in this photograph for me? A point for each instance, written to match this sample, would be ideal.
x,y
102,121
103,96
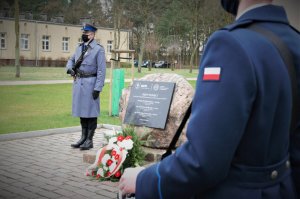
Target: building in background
x,y
50,43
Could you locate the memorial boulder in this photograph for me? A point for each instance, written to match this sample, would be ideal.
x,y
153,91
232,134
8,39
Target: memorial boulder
x,y
181,98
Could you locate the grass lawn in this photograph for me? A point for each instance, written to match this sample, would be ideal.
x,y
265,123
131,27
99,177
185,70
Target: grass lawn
x,y
37,107
59,73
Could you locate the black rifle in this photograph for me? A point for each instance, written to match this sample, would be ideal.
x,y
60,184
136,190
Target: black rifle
x,y
80,59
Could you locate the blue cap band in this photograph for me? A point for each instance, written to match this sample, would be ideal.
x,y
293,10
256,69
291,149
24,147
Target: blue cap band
x,y
89,27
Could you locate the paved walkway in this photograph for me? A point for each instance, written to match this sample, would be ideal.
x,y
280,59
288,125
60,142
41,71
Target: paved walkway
x,y
47,167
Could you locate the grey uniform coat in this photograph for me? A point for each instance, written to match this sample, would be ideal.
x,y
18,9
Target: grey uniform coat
x,y
94,62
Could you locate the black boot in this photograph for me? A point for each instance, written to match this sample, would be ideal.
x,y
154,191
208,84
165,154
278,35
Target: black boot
x,y
92,125
84,133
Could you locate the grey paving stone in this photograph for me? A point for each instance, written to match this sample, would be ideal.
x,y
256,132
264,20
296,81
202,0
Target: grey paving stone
x,y
63,192
48,194
47,167
20,184
27,180
6,194
22,192
69,188
6,180
106,193
49,187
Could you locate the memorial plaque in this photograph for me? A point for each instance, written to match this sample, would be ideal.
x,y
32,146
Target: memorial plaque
x,y
149,103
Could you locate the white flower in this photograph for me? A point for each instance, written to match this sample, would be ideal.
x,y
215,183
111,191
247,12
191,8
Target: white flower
x,y
110,133
111,143
105,158
105,168
100,172
112,167
126,144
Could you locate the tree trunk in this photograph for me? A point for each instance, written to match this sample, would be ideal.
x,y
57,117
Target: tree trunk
x,y
17,31
142,47
150,62
195,50
114,55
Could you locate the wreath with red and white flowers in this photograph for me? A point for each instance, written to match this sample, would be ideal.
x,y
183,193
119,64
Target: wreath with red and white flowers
x,y
109,160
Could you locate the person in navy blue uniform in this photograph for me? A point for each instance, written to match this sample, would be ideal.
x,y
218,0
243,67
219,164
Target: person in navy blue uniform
x,y
88,83
239,141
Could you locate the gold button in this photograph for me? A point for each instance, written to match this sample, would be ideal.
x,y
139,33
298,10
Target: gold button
x,y
274,175
288,164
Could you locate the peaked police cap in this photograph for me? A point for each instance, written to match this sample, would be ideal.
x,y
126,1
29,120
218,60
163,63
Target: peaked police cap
x,y
89,27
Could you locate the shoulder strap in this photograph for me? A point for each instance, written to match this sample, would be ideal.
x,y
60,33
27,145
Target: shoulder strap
x,y
288,60
178,132
80,59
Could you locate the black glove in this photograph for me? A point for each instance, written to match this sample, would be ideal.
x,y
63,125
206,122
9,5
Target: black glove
x,y
71,72
95,94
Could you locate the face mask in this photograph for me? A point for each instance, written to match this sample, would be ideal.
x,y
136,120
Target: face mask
x,y
230,6
85,38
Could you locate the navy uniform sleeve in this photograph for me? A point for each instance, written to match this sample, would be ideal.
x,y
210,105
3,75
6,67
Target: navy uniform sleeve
x,y
220,112
101,70
295,158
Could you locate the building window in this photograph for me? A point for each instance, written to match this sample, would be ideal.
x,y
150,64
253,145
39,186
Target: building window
x,y
24,41
109,45
46,43
65,44
2,40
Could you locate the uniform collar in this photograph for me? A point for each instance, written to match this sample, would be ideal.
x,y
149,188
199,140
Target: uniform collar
x,y
93,43
251,8
269,13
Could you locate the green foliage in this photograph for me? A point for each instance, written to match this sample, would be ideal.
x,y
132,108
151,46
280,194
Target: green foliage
x,y
136,155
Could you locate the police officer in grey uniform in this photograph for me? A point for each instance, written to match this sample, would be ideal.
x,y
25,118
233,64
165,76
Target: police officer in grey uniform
x,y
89,76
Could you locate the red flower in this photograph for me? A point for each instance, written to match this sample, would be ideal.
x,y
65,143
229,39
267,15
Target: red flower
x,y
98,176
113,153
117,157
128,137
93,173
109,162
120,138
118,174
108,174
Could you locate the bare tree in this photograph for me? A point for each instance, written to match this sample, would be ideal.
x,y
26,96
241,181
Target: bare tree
x,y
17,31
141,13
151,48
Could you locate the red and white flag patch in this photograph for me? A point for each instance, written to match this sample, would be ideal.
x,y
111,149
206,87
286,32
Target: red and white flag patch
x,y
212,73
